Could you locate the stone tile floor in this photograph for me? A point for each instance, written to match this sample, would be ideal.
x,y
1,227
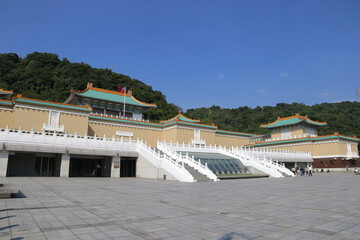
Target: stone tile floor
x,y
325,206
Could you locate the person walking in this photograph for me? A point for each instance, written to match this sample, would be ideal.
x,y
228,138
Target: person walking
x,y
310,171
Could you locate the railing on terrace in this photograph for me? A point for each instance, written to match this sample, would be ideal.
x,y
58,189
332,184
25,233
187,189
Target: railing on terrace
x,y
203,169
262,163
62,135
172,165
120,117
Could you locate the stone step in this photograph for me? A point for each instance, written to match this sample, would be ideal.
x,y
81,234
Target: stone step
x,y
197,176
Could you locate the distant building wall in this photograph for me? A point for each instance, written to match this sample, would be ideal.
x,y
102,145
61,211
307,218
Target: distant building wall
x,y
6,118
74,123
28,118
230,140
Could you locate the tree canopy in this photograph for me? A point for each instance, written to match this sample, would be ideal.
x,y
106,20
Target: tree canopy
x,y
44,76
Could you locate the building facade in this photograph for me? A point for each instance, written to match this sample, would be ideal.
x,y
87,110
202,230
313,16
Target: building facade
x,y
102,133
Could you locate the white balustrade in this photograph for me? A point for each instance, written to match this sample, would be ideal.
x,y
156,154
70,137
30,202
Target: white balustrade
x,y
203,169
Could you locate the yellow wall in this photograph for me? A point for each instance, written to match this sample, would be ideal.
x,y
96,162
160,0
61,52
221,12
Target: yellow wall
x,y
303,148
354,148
148,135
6,118
30,118
169,135
184,135
74,123
209,137
276,134
229,141
322,149
297,132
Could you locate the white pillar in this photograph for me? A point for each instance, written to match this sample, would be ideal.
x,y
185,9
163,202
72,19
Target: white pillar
x,y
65,165
4,158
115,167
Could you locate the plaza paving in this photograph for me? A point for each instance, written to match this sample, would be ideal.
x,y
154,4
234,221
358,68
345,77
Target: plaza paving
x,y
325,206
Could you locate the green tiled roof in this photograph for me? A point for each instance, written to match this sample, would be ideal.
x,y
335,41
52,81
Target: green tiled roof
x,y
237,133
2,92
292,121
149,123
181,118
303,140
51,104
6,103
124,121
111,97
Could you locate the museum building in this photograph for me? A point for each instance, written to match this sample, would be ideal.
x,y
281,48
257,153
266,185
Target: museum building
x,y
102,133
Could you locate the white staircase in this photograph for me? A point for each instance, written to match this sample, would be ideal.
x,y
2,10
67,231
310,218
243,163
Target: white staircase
x,y
203,169
263,164
172,165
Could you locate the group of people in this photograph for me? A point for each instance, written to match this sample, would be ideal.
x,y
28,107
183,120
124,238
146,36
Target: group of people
x,y
302,171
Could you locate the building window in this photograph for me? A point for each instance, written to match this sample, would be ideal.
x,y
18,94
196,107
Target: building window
x,y
54,118
97,110
331,162
321,162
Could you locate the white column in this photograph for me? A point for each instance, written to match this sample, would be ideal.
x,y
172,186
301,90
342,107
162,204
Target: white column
x,y
65,165
4,158
115,167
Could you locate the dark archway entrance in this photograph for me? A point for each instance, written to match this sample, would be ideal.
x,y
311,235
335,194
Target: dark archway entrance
x,y
89,167
128,167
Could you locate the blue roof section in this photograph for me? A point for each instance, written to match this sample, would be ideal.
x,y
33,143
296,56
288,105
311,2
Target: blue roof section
x,y
107,95
328,137
281,122
150,123
181,117
237,133
6,103
52,104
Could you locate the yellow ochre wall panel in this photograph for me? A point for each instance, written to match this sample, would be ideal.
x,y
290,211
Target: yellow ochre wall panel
x,y
303,148
229,141
276,135
148,135
6,118
169,135
184,135
30,118
209,137
354,148
297,132
74,123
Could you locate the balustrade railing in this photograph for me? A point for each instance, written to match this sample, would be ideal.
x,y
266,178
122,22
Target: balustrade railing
x,y
203,169
263,163
120,117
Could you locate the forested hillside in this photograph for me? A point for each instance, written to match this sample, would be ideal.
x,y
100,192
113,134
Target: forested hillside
x,y
45,76
343,117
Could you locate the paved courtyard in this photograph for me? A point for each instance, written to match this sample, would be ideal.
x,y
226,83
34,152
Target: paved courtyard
x,y
325,206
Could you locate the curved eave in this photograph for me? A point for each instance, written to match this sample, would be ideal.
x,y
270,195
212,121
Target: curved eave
x,y
190,124
309,121
181,118
6,103
138,102
292,121
2,91
51,104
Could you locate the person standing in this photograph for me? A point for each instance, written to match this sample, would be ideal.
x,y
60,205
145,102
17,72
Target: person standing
x,y
310,171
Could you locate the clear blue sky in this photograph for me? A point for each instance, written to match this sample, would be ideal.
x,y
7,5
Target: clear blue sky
x,y
202,53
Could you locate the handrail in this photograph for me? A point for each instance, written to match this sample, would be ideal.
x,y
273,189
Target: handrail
x,y
174,167
203,169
